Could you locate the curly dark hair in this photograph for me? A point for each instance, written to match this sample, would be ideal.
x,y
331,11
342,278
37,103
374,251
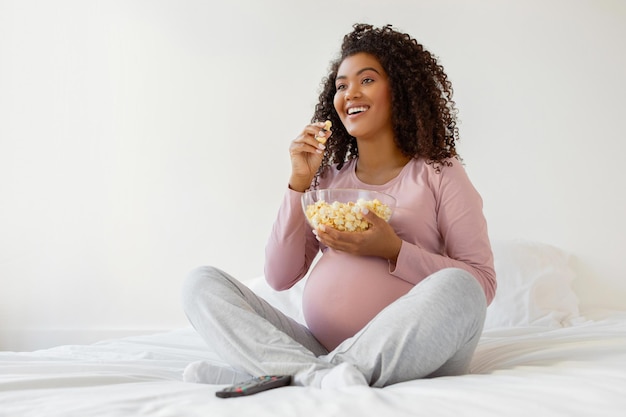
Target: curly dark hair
x,y
423,112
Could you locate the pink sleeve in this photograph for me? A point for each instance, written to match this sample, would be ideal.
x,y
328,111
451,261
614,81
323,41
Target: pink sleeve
x,y
463,230
291,247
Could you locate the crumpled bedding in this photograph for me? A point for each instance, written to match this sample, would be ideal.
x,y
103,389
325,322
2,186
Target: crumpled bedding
x,y
521,371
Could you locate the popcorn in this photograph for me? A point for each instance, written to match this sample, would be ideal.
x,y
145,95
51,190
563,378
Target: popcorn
x,y
345,216
320,137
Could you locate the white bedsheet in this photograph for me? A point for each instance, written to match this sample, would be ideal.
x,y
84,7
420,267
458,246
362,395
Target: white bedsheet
x,y
572,371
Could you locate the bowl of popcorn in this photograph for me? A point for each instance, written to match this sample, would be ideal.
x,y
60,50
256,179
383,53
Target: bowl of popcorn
x,y
342,208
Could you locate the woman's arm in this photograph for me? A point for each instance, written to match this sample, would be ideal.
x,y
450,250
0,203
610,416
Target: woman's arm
x,y
291,247
463,231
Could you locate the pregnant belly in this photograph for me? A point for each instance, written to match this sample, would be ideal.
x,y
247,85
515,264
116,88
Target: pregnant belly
x,y
344,292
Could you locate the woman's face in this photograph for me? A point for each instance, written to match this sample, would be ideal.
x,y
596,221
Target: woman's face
x,y
363,96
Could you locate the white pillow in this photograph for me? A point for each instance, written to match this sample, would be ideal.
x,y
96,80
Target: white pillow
x,y
534,288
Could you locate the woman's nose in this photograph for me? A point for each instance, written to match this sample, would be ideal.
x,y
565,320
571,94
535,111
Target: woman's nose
x,y
352,91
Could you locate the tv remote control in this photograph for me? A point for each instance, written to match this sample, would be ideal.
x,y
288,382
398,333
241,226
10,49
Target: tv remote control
x,y
254,385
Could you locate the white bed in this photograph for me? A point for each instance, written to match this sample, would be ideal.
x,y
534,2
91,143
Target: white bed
x,y
539,356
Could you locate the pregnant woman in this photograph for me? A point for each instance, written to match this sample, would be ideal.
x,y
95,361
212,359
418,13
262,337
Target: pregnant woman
x,y
405,299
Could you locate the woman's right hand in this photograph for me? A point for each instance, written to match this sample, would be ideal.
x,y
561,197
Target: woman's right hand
x,y
306,156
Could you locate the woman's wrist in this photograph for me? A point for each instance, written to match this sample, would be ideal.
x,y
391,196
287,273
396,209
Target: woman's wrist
x,y
394,251
298,185
297,189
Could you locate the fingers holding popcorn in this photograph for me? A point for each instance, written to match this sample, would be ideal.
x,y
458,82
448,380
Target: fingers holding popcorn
x,y
378,240
322,135
312,138
306,156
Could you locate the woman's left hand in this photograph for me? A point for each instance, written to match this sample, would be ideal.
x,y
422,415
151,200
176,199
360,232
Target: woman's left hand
x,y
378,240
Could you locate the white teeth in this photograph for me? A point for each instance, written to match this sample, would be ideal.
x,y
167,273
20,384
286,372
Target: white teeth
x,y
354,110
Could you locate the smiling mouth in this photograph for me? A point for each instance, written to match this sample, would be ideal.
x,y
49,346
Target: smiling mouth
x,y
356,110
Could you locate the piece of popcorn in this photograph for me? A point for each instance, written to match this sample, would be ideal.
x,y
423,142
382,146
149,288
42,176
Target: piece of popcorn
x,y
321,137
345,216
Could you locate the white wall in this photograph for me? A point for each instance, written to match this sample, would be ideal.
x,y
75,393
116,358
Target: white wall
x,y
139,139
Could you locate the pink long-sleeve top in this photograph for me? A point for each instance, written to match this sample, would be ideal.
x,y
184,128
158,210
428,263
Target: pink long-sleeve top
x,y
439,218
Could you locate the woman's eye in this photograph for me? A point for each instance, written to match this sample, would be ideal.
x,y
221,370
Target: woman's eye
x,y
367,80
340,87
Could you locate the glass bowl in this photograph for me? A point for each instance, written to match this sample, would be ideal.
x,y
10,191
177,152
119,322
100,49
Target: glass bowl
x,y
341,208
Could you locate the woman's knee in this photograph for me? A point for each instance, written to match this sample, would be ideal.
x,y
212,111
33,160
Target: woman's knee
x,y
461,279
199,283
460,285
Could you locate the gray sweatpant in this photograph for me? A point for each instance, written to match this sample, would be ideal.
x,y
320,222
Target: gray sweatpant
x,y
431,331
